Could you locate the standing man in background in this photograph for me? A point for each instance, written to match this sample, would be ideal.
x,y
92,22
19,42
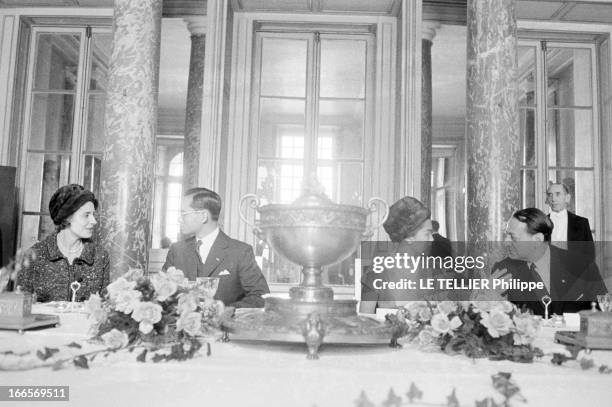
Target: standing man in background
x,y
568,227
441,246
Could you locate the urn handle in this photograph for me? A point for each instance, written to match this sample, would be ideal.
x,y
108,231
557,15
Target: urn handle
x,y
252,201
374,205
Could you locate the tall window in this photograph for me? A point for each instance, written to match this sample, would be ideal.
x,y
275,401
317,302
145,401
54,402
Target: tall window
x,y
310,113
559,136
168,194
64,119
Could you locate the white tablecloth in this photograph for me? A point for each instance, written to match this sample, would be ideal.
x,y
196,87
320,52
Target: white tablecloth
x,y
241,374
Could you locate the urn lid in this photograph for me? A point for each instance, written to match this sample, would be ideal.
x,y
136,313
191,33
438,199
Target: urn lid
x,y
313,199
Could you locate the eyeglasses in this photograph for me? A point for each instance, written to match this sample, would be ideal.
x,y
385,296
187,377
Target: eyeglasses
x,y
183,214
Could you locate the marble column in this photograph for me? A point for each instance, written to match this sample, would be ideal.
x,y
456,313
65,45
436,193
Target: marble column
x,y
427,36
193,117
493,178
128,164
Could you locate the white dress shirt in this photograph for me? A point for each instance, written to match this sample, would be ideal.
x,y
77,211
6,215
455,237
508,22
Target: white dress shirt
x,y
559,234
207,242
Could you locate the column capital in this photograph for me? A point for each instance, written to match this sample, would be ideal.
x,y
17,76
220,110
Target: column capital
x,y
428,29
196,25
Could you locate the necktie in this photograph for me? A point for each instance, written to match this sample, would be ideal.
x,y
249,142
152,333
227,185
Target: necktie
x,y
533,269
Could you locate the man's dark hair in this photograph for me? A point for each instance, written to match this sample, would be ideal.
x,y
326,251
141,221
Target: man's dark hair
x,y
204,198
536,221
435,225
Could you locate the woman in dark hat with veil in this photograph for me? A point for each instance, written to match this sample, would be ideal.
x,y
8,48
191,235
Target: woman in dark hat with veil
x,y
409,228
68,256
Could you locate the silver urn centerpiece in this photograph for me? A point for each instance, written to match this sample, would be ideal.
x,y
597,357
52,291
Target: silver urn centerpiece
x,y
312,232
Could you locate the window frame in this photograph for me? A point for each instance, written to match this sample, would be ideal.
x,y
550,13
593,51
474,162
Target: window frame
x,y
77,153
541,113
385,140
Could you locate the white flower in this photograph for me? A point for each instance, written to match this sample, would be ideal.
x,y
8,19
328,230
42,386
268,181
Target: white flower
x,y
425,314
441,324
118,286
483,306
504,306
465,305
497,322
133,274
93,306
127,300
187,302
177,276
427,339
115,339
164,287
191,323
446,307
526,329
147,313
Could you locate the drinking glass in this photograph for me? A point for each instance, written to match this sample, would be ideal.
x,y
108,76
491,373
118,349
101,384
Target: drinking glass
x,y
605,302
207,287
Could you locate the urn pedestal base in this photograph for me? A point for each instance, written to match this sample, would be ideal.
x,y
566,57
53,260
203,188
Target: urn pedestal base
x,y
312,323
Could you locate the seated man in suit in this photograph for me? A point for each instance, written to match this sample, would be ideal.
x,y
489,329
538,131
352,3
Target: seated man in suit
x,y
209,252
568,281
569,227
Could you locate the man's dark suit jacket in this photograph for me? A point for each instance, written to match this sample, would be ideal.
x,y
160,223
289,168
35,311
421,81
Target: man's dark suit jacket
x,y
441,246
579,230
573,284
242,284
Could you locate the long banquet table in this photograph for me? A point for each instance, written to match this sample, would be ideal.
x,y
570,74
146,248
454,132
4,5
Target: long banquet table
x,y
247,374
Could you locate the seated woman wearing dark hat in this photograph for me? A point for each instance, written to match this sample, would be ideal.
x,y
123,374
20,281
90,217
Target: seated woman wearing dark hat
x,y
409,228
69,255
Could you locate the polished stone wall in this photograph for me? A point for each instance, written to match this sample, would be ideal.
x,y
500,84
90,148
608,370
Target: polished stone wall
x,y
493,181
128,164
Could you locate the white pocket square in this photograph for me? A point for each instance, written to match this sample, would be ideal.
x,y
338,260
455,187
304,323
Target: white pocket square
x,y
224,273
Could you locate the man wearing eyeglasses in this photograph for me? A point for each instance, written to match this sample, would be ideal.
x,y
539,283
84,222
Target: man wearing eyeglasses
x,y
208,252
570,283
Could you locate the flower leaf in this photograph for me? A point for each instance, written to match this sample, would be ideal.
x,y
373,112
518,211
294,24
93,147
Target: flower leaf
x,y
142,356
158,358
414,393
559,359
363,401
451,400
488,402
393,400
74,345
47,353
81,361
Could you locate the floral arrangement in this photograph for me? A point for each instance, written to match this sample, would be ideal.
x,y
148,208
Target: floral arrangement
x,y
497,330
158,311
166,317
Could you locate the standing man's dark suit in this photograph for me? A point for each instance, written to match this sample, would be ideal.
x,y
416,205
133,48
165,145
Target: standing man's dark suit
x,y
572,284
579,230
441,246
242,284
